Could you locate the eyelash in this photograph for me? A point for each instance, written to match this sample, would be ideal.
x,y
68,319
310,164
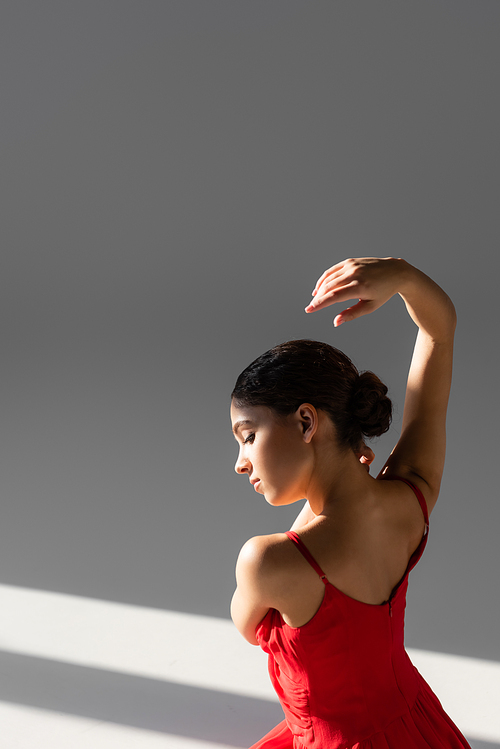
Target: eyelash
x,y
249,439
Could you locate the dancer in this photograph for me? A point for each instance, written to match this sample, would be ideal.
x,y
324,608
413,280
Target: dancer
x,y
326,600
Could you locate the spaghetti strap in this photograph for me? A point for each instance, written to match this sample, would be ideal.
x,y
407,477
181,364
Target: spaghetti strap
x,y
306,554
418,494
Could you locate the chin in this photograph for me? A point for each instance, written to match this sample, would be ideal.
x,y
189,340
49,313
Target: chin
x,y
280,500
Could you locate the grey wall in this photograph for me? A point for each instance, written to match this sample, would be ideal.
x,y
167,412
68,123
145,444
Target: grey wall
x,y
175,176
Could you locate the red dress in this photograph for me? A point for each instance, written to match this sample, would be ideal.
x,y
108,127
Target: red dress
x,y
344,679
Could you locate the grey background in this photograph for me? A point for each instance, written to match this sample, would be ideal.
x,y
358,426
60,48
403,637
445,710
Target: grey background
x,y
175,176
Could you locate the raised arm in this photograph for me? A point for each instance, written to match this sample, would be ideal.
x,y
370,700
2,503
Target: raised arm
x,y
420,452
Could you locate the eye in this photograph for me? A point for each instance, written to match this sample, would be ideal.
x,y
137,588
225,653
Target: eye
x,y
249,440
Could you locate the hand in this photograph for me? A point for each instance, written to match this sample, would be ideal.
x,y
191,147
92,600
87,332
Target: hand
x,y
373,281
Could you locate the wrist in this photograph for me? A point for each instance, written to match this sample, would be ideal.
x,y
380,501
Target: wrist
x,y
428,305
408,277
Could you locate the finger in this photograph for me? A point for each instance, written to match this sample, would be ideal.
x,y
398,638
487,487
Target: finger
x,y
329,276
332,294
348,266
326,274
337,278
363,307
336,283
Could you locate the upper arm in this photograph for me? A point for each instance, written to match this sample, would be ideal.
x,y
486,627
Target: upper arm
x,y
253,596
420,452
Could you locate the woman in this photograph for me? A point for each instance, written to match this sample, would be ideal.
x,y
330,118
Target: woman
x,y
326,600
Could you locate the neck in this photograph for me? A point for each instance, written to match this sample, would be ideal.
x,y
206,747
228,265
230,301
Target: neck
x,y
336,481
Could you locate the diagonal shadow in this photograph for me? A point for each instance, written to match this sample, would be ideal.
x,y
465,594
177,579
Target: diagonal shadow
x,y
141,702
136,701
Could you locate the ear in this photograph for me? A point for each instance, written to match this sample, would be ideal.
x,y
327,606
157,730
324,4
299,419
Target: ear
x,y
307,416
366,456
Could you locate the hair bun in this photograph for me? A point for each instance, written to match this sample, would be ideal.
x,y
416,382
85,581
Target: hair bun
x,y
370,406
304,371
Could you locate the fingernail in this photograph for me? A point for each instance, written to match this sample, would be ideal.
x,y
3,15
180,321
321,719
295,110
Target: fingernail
x,y
309,308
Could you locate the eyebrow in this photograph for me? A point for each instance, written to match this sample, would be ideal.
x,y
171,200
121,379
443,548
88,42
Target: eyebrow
x,y
239,424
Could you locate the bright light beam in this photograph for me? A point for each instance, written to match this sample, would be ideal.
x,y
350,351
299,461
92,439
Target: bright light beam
x,y
206,652
198,651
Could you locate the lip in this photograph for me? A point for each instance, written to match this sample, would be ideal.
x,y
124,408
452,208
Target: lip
x,y
255,483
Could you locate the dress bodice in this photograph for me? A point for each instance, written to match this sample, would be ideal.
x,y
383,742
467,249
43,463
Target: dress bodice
x,y
344,679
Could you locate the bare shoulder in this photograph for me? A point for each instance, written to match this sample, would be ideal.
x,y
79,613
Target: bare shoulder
x,y
260,580
266,567
263,556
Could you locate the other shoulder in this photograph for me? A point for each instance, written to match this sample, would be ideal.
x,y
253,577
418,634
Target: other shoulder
x,y
409,484
404,504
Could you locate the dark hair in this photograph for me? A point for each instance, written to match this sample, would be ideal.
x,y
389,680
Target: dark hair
x,y
312,372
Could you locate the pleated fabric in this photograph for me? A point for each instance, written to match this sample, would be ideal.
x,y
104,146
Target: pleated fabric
x,y
344,679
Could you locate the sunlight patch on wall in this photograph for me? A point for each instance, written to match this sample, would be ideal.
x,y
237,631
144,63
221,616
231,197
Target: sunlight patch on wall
x,y
206,652
198,651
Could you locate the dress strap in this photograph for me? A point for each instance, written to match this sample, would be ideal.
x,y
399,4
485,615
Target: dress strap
x,y
419,496
306,554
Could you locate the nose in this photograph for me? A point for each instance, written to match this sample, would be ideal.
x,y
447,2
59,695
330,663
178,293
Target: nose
x,y
242,465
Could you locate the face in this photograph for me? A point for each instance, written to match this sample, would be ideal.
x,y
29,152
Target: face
x,y
273,453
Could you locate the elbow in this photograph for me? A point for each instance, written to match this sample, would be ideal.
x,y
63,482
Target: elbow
x,y
250,637
245,625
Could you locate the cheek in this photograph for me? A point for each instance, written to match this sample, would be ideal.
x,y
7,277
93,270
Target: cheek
x,y
289,469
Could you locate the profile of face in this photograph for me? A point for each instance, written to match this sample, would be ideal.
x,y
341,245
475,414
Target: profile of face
x,y
274,452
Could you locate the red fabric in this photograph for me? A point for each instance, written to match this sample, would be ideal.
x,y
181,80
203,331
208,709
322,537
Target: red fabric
x,y
344,679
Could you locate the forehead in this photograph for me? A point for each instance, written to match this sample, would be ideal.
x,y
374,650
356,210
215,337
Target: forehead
x,y
248,414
